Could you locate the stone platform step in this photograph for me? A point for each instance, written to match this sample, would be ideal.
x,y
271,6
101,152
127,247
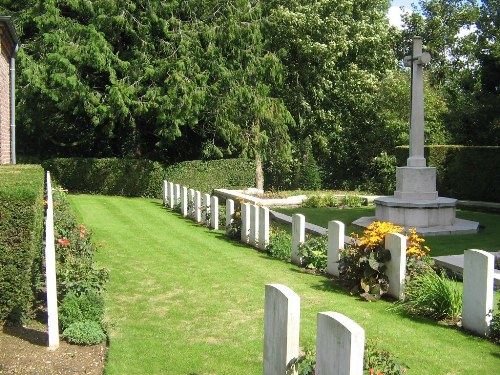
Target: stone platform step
x,y
455,263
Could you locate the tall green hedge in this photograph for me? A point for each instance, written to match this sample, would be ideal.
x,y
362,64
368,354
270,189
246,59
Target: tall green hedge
x,y
144,178
110,176
463,172
21,235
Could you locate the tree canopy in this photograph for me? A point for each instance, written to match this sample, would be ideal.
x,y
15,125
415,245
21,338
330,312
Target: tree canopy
x,y
282,81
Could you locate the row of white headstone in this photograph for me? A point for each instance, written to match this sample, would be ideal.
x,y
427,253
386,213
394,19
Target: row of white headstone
x,y
202,208
478,274
340,341
479,266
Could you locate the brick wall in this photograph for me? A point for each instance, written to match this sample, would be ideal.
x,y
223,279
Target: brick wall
x,y
5,157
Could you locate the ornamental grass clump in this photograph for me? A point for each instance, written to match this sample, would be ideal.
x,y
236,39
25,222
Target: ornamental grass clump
x,y
363,262
432,294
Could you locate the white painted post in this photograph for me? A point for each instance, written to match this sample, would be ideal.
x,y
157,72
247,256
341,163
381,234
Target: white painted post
x,y
191,213
171,194
245,222
298,236
177,194
340,344
281,330
336,233
197,206
396,267
254,225
184,201
214,213
165,192
206,215
229,213
50,271
263,227
477,296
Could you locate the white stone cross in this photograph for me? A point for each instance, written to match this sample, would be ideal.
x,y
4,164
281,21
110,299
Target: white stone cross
x,y
416,61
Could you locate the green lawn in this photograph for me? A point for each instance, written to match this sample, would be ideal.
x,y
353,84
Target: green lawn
x,y
184,300
488,238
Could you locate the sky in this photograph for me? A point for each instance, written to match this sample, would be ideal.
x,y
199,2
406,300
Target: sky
x,y
395,11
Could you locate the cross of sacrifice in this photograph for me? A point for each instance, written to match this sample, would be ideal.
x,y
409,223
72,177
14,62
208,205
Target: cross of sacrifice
x,y
416,61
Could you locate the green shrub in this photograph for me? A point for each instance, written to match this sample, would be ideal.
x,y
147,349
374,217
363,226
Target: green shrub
x,y
233,229
463,172
21,234
110,176
314,252
432,294
280,244
321,201
375,361
495,326
381,177
353,201
85,333
75,265
85,307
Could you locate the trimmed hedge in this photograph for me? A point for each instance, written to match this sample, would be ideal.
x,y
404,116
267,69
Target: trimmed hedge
x,y
144,178
21,235
110,176
463,172
213,174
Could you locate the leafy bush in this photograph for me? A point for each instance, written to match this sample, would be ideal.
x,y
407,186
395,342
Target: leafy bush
x,y
432,294
353,201
378,361
234,228
85,307
321,201
314,252
21,234
280,244
495,326
308,176
362,262
382,175
84,333
75,266
375,361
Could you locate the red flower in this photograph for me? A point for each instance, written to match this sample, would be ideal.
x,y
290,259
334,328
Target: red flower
x,y
371,371
63,242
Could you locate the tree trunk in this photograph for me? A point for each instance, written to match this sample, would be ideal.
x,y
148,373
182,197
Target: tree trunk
x,y
259,172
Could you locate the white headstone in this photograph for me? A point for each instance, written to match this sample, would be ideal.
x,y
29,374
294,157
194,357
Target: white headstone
x,y
184,201
298,236
336,233
214,212
281,330
245,222
263,227
229,213
340,345
396,267
254,225
197,206
177,194
477,296
171,194
50,271
165,192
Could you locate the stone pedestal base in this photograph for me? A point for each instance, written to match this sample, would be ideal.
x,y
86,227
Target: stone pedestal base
x,y
436,216
416,183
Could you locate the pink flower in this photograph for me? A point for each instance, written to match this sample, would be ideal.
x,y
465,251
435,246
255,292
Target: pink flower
x,y
63,242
